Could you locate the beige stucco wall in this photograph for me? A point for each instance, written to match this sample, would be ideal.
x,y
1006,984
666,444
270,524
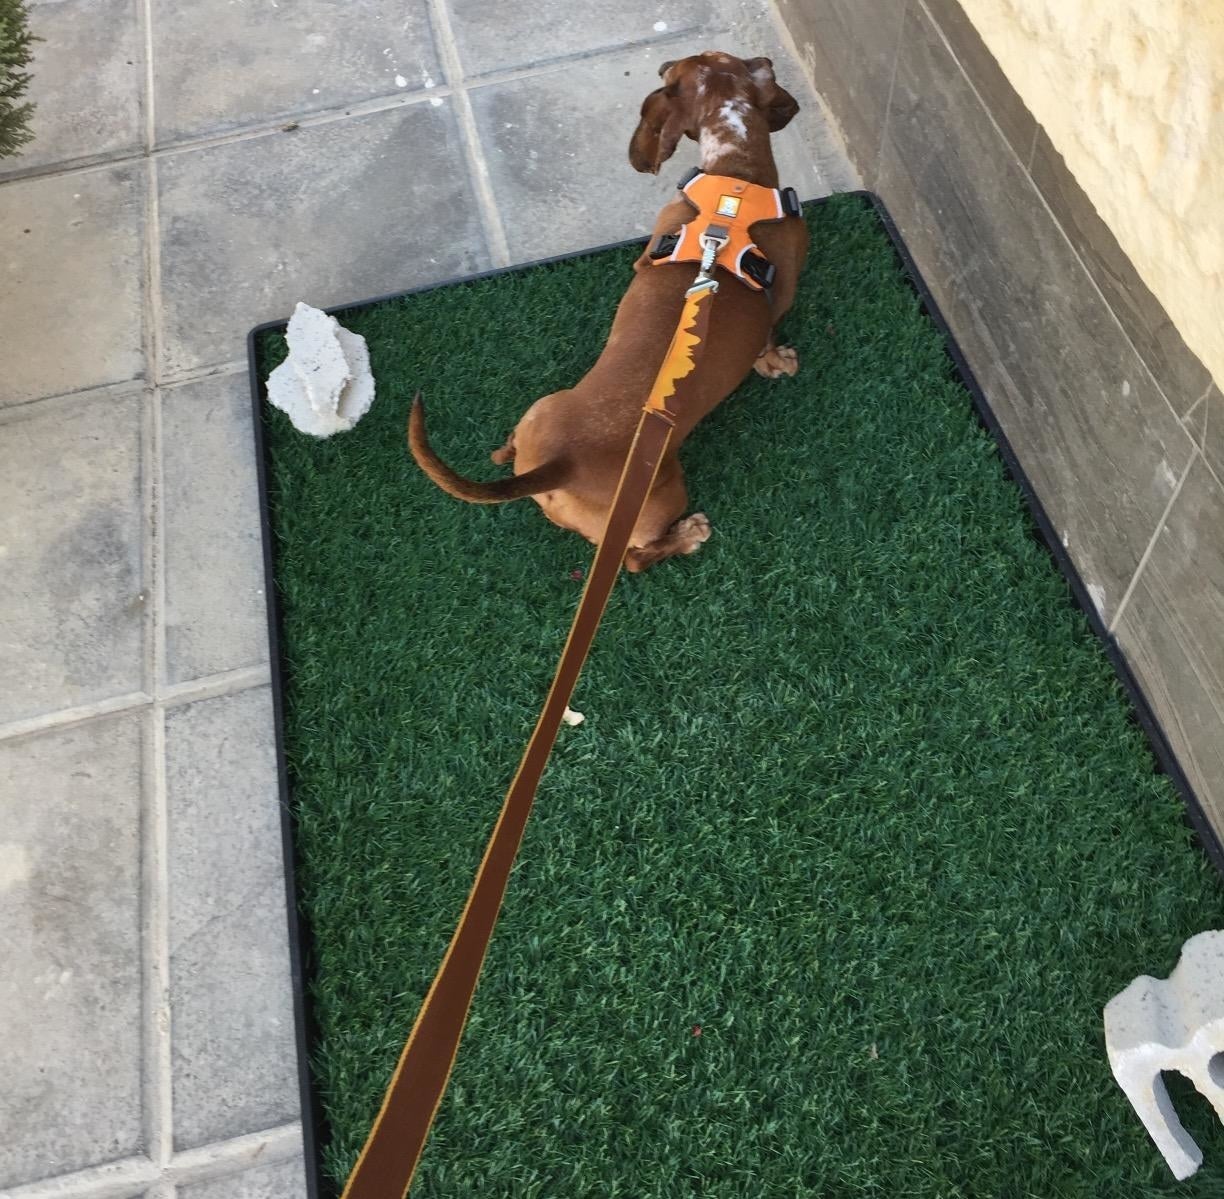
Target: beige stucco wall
x,y
1131,92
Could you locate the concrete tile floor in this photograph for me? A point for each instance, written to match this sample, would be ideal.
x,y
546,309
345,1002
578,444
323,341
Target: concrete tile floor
x,y
164,209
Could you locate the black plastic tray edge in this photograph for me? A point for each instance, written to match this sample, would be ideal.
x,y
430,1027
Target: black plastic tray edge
x,y
314,1131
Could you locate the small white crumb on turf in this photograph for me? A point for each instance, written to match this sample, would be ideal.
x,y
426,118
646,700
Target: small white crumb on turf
x,y
573,718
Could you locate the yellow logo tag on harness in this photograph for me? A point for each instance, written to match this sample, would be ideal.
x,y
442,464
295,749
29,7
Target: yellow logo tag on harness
x,y
728,206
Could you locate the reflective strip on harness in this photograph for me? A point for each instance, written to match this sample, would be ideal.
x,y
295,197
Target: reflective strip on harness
x,y
733,205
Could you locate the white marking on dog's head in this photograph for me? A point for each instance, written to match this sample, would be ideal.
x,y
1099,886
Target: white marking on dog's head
x,y
714,145
732,113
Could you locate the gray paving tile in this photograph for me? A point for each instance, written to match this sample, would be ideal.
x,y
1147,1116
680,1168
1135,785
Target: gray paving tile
x,y
325,214
88,74
214,558
73,266
221,65
234,1058
849,49
547,176
72,596
1102,448
526,33
70,990
1173,634
547,181
282,1180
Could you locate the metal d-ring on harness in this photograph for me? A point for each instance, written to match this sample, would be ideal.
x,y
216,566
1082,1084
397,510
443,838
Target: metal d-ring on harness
x,y
712,240
391,1153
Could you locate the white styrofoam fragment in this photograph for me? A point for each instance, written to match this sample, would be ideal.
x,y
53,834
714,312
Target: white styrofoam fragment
x,y
324,385
358,394
1172,1024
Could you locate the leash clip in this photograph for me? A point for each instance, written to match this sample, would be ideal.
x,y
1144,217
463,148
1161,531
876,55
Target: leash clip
x,y
712,241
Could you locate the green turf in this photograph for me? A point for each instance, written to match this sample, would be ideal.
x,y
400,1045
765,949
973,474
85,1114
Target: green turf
x,y
857,792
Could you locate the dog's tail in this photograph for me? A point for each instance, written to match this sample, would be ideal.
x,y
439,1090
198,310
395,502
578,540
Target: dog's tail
x,y
542,478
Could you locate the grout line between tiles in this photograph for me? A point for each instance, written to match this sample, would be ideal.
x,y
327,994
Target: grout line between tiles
x,y
150,88
118,1180
478,167
1205,400
158,1065
1186,419
241,134
154,337
229,682
115,1180
266,1148
212,686
68,717
551,66
149,441
326,116
217,370
158,1078
24,409
1151,545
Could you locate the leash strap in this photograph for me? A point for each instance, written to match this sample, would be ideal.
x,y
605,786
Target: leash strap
x,y
389,1160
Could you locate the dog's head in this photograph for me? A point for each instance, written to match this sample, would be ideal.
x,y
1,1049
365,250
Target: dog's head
x,y
695,92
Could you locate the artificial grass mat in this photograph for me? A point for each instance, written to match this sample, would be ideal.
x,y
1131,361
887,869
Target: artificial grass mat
x,y
859,836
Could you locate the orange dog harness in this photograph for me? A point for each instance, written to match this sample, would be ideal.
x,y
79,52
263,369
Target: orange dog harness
x,y
727,209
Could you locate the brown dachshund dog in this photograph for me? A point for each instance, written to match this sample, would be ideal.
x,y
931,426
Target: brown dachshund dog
x,y
569,447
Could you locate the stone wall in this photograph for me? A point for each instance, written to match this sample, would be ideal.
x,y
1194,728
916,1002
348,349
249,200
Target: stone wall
x,y
1132,94
1114,420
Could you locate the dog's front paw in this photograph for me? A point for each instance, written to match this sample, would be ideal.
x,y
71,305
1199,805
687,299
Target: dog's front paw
x,y
778,361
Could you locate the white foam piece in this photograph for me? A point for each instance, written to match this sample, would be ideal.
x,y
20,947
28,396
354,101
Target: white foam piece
x,y
324,386
1174,1023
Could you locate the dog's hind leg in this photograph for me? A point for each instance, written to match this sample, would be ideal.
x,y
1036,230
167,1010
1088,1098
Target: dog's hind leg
x,y
661,531
504,453
686,536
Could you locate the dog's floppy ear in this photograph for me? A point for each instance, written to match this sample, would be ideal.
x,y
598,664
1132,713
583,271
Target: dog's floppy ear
x,y
775,102
660,128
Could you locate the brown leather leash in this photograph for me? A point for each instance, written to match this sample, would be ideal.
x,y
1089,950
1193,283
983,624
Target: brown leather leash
x,y
389,1159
